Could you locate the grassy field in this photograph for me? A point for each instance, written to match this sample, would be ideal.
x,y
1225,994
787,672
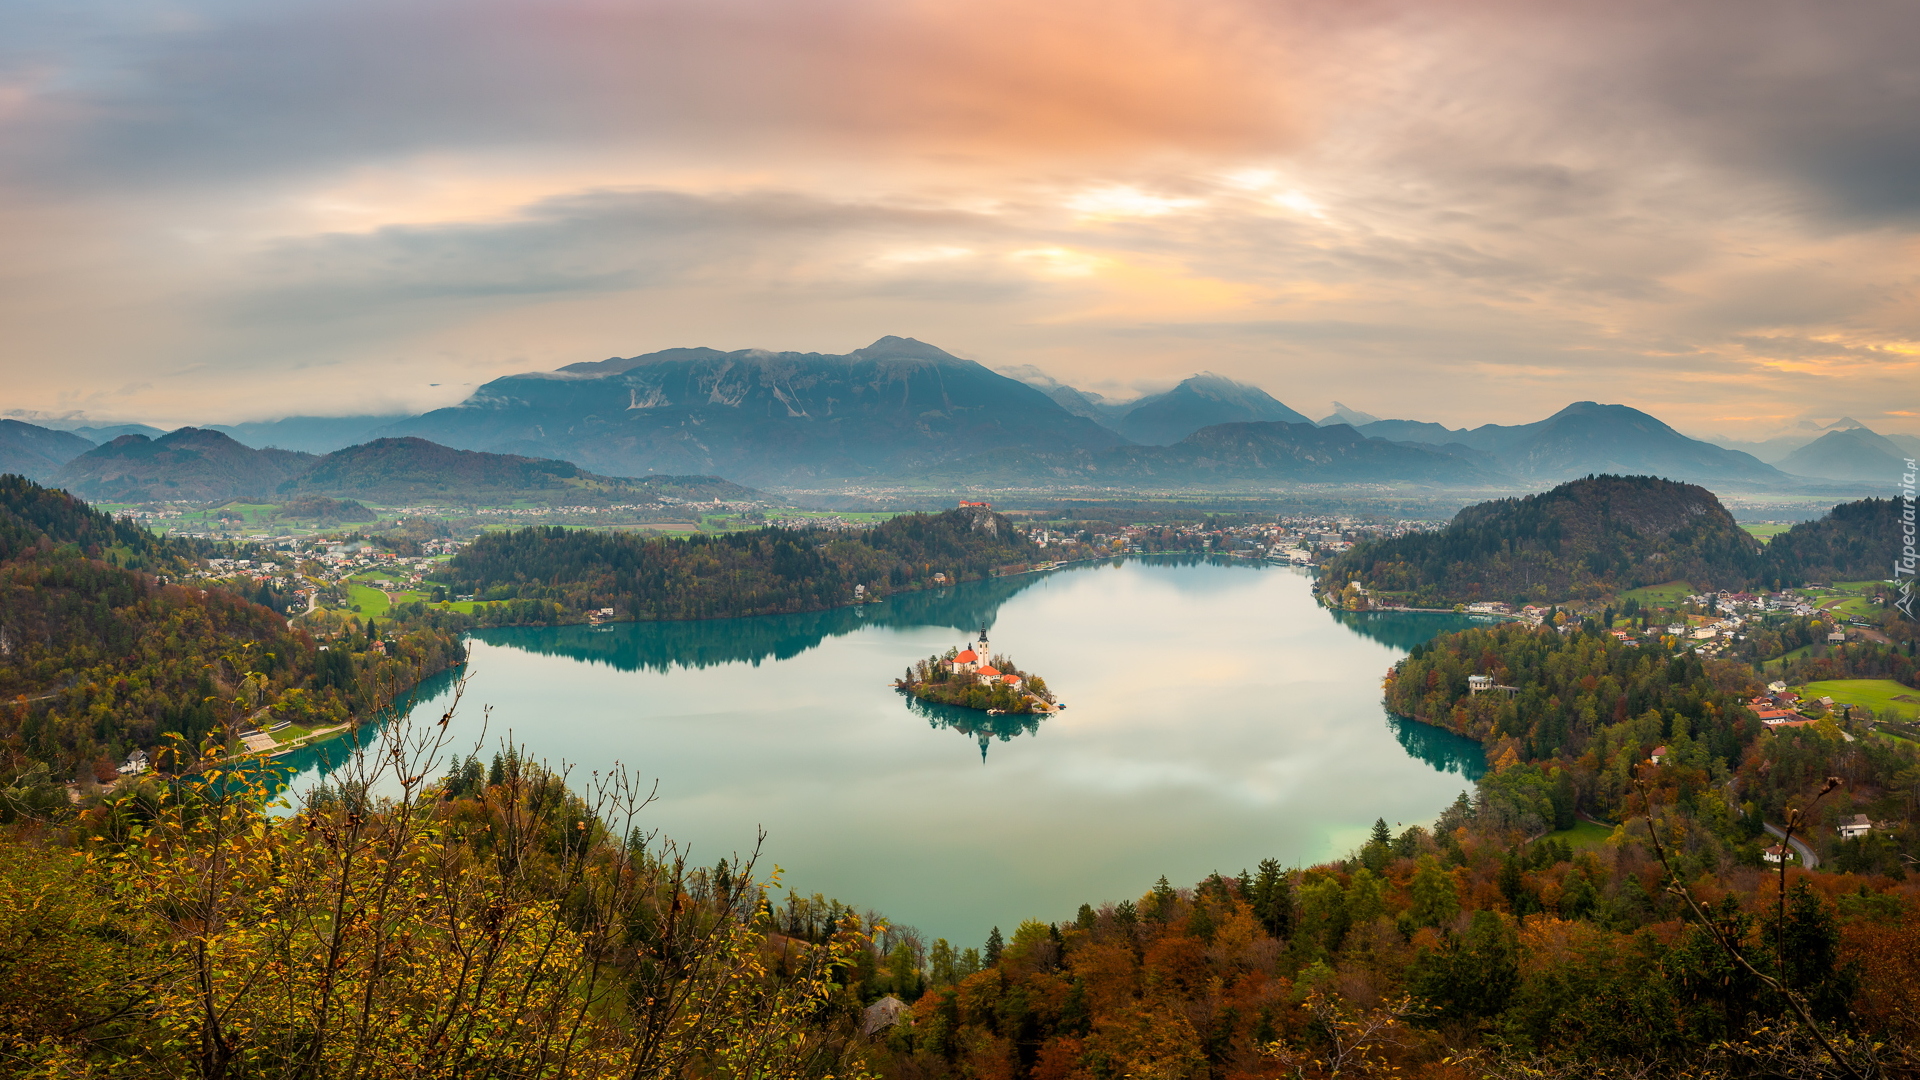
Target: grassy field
x,y
467,607
1804,650
1583,834
1855,606
1671,592
1766,531
1883,696
369,600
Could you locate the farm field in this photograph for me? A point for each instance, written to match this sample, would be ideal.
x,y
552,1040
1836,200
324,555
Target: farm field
x,y
1671,592
1884,696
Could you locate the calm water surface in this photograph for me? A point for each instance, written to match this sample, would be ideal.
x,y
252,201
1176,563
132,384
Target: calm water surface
x,y
1216,716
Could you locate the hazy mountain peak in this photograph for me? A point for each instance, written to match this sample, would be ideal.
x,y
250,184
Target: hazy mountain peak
x,y
1199,401
893,347
1852,453
1351,417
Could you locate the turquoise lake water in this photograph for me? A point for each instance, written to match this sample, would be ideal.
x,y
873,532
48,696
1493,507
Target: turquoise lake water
x,y
1216,716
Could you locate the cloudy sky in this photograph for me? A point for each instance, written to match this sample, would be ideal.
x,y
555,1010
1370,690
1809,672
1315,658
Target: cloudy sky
x,y
1467,211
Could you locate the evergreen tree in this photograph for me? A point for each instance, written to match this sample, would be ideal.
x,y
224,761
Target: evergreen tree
x,y
1272,899
995,946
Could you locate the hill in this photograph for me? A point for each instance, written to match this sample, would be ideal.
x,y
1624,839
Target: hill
x,y
36,452
1202,401
1857,541
1855,453
1590,438
98,658
191,464
761,572
1590,537
897,405
409,470
1240,455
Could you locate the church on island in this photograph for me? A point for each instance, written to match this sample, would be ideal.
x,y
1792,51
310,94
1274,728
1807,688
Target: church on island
x,y
972,660
967,677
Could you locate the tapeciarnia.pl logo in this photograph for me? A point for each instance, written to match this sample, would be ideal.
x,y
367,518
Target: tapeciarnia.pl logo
x,y
1903,566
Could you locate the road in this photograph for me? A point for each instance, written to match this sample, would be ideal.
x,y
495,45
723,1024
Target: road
x,y
1807,858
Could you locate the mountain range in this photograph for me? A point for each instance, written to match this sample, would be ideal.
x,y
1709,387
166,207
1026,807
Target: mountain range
x,y
190,465
896,407
1233,456
901,410
199,465
1845,449
1587,437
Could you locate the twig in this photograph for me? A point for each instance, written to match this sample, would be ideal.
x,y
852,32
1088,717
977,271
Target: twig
x,y
1680,889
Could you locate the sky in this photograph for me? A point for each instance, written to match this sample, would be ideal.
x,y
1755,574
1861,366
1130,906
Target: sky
x,y
1470,212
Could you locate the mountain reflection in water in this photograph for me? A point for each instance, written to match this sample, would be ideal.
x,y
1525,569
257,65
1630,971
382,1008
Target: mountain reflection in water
x,y
663,646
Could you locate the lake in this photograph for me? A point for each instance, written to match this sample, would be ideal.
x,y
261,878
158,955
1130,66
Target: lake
x,y
1216,716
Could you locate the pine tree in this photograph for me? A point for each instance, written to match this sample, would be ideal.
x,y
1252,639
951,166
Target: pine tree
x,y
1272,899
995,945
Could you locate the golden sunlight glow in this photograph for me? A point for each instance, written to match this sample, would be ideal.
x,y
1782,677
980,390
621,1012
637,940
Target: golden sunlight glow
x,y
1117,202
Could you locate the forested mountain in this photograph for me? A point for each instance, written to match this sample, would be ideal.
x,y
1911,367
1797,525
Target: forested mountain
x,y
98,658
409,470
1608,534
1229,455
1586,438
191,464
1585,538
766,571
898,405
36,452
1200,401
208,466
1857,541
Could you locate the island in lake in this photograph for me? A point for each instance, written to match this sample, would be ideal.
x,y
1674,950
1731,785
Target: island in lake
x,y
971,677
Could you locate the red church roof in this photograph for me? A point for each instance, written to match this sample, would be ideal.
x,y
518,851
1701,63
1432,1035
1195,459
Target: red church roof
x,y
966,657
990,672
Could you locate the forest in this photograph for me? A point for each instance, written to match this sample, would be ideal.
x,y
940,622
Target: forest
x,y
509,920
757,572
103,657
1589,710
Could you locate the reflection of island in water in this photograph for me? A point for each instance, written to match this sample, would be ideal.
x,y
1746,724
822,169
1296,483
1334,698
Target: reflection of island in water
x,y
973,722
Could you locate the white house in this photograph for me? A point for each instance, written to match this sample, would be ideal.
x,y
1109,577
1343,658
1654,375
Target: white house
x,y
1855,827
